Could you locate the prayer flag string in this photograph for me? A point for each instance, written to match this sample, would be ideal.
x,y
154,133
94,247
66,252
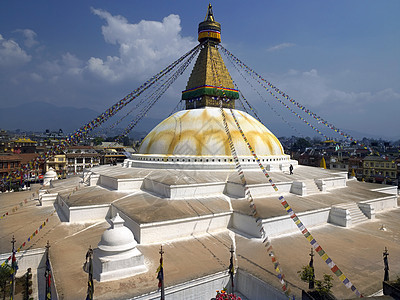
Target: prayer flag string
x,y
30,238
160,92
15,208
291,100
265,240
334,268
79,134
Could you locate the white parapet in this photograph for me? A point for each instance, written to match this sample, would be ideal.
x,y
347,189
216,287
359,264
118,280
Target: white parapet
x,y
299,188
279,225
157,232
340,216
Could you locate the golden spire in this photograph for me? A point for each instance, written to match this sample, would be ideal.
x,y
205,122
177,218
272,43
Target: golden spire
x,y
210,83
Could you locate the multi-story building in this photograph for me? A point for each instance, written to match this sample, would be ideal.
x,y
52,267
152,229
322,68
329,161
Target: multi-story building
x,y
112,153
380,170
356,164
24,145
80,157
59,163
9,162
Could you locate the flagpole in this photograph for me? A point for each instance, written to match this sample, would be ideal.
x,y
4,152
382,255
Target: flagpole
x,y
90,289
386,263
311,264
231,268
13,263
160,274
47,273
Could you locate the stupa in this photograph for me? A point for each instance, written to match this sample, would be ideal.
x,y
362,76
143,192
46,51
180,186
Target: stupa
x,y
195,138
49,176
182,191
117,256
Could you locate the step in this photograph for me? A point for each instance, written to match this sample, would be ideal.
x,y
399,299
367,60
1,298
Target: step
x,y
311,187
357,216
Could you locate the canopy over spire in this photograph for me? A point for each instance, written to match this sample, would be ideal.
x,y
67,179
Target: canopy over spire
x,y
209,29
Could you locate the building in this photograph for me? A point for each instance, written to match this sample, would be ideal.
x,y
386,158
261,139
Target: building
x,y
59,163
81,157
380,170
111,153
24,145
196,191
9,162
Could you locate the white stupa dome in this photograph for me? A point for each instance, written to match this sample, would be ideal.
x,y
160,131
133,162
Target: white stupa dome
x,y
196,139
117,237
200,132
49,176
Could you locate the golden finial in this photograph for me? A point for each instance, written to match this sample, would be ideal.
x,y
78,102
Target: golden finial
x,y
210,15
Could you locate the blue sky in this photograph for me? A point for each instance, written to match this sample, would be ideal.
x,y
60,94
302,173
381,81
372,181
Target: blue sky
x,y
338,58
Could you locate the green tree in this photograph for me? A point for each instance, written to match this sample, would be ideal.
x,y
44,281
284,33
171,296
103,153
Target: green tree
x,y
306,274
324,286
98,140
301,144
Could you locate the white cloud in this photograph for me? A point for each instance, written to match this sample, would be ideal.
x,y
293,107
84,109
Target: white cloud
x,y
280,47
144,48
11,53
352,109
30,37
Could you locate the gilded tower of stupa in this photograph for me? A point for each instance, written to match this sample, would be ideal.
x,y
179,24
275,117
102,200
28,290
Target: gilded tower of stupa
x,y
209,83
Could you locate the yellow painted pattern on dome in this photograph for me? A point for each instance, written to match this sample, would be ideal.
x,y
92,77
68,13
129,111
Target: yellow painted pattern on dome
x,y
200,132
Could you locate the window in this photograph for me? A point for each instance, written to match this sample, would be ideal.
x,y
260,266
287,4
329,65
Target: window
x,y
366,165
11,165
372,164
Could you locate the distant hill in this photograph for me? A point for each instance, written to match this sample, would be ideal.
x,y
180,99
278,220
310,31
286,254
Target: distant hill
x,y
39,116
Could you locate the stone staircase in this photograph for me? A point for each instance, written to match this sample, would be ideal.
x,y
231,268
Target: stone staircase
x,y
357,216
311,187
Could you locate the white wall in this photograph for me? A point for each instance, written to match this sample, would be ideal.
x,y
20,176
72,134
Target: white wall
x,y
158,232
255,289
205,288
279,225
88,213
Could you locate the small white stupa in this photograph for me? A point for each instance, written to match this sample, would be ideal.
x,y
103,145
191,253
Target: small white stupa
x,y
117,256
49,176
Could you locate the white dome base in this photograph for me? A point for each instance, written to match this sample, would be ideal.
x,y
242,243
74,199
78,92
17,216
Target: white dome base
x,y
113,267
271,163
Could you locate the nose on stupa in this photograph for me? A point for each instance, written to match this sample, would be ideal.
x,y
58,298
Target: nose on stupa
x,y
198,131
